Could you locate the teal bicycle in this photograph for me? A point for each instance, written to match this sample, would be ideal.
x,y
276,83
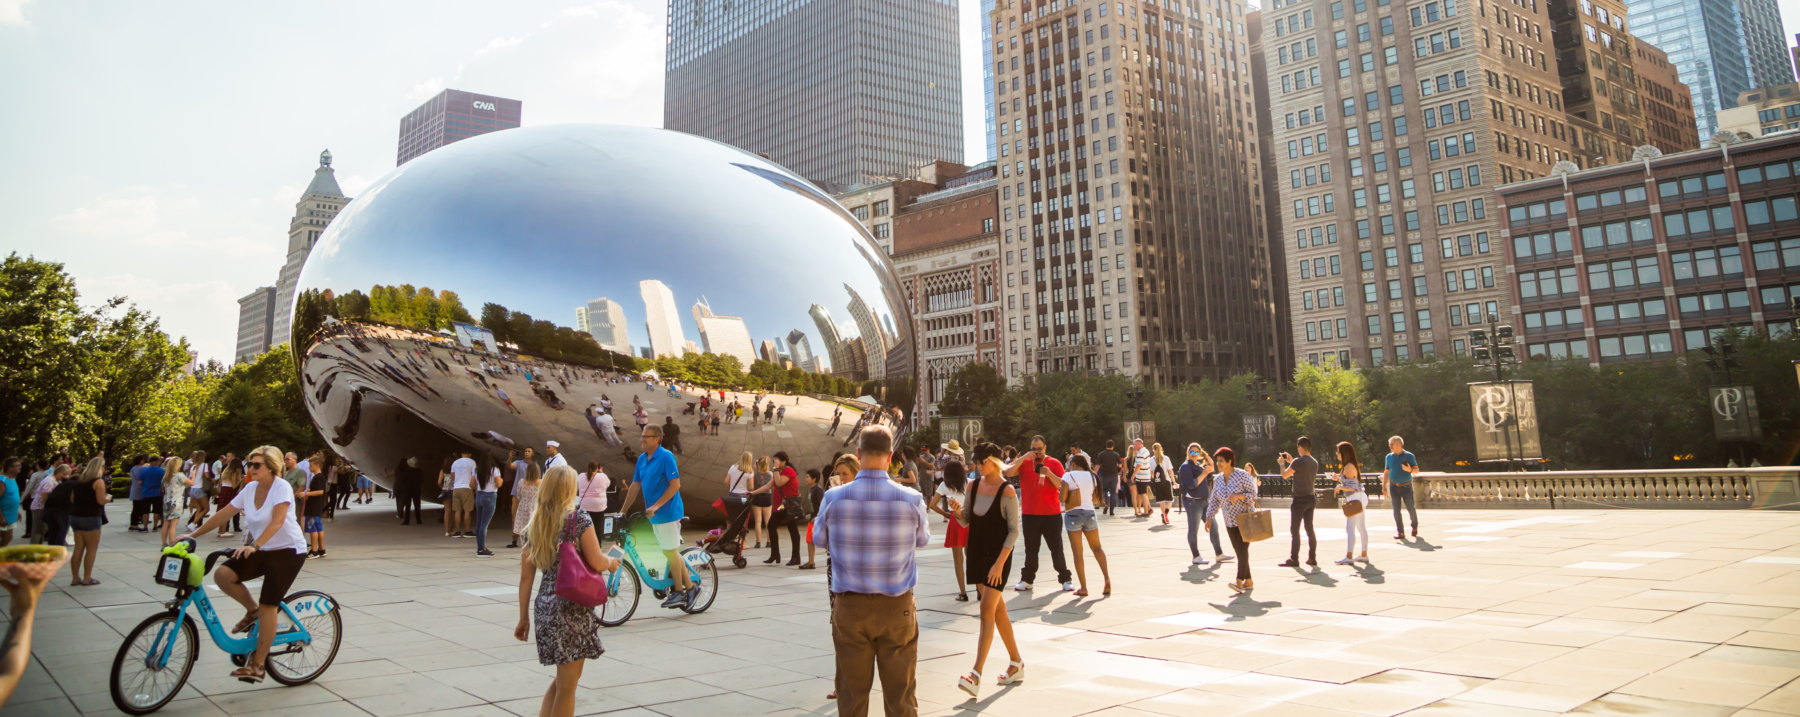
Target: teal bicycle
x,y
625,584
158,655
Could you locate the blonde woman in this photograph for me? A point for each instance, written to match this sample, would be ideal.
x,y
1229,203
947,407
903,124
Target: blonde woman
x,y
275,552
1162,479
568,634
992,516
87,499
762,498
175,485
205,484
740,478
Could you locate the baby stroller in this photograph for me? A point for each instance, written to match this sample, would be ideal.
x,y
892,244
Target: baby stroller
x,y
729,540
689,411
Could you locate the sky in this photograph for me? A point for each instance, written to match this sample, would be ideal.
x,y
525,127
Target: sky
x,y
156,150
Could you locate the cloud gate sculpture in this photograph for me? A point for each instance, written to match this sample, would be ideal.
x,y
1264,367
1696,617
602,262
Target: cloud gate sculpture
x,y
495,294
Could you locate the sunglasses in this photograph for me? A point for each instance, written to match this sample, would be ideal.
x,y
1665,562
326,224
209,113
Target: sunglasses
x,y
256,464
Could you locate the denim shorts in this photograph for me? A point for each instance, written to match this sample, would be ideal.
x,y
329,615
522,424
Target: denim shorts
x,y
89,523
314,524
1079,519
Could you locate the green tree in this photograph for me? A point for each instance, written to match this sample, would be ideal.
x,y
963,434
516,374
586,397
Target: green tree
x,y
133,364
259,403
44,376
1331,404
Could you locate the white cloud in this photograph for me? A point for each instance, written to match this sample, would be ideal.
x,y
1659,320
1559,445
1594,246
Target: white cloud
x,y
421,91
597,63
109,217
188,306
12,12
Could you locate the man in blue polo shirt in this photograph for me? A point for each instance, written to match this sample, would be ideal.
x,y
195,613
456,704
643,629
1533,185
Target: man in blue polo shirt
x,y
1401,467
661,483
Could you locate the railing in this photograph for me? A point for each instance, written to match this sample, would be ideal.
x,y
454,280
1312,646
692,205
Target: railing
x,y
1772,488
1270,485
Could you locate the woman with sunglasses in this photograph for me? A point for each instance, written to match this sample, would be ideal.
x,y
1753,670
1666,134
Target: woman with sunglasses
x,y
275,552
1196,481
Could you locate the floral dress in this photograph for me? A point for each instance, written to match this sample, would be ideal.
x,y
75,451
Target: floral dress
x,y
566,632
527,502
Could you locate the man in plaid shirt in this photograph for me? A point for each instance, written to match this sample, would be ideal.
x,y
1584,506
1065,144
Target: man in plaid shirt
x,y
871,527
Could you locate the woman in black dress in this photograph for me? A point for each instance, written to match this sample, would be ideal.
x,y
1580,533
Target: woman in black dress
x,y
992,517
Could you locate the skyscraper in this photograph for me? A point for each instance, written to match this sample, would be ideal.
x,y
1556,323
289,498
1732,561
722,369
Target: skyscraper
x,y
987,73
452,116
835,350
868,327
318,205
724,335
1708,43
606,323
662,321
256,324
1130,199
843,93
801,350
1765,42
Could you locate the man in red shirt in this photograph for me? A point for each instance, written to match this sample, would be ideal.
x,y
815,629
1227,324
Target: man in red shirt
x,y
1040,508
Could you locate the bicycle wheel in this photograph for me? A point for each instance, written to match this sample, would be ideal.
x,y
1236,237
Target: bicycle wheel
x,y
709,583
299,663
624,587
142,681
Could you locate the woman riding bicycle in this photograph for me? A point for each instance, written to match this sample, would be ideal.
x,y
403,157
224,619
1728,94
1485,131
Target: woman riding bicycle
x,y
275,551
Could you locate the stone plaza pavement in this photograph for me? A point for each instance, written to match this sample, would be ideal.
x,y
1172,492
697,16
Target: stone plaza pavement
x,y
1491,613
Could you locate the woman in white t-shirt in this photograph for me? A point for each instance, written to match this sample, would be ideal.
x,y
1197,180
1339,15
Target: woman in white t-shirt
x,y
1079,490
947,501
740,479
275,550
590,487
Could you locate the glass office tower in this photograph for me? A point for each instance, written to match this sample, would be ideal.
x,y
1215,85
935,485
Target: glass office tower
x,y
843,93
1707,42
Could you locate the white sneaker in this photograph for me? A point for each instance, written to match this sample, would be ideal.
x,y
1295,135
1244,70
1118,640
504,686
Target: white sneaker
x,y
1068,587
1364,559
1227,558
1199,560
1344,561
1022,586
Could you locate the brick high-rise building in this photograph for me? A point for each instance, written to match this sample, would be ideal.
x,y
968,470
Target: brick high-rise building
x,y
1668,103
1130,190
1706,40
1619,92
453,116
947,256
843,93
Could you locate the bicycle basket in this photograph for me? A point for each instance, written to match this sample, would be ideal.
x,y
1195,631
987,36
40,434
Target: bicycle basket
x,y
178,569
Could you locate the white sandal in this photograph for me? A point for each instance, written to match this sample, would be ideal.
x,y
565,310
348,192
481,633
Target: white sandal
x,y
970,686
1015,676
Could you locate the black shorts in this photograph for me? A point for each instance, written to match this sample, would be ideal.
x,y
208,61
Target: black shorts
x,y
762,500
277,568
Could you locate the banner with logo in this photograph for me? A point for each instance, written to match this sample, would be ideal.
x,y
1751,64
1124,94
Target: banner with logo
x,y
1145,430
965,430
1505,419
1259,434
1734,413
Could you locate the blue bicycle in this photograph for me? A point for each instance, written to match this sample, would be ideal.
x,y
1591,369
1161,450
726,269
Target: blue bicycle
x,y
158,655
625,584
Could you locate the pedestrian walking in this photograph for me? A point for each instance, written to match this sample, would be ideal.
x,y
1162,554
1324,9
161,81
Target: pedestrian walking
x,y
140,508
742,484
1301,470
872,529
1081,492
947,501
1355,502
1106,466
592,488
1195,479
205,485
526,479
1040,503
315,499
993,518
53,506
568,633
1402,465
1141,472
672,435
784,483
1233,495
231,480
815,493
487,499
87,499
1162,479
462,495
175,485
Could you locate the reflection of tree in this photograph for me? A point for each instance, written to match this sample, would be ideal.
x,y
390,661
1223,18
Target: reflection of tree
x,y
538,337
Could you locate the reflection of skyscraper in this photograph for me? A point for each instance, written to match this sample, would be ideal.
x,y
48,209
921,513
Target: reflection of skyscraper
x,y
856,358
581,319
769,353
834,341
724,335
800,350
606,323
661,319
874,338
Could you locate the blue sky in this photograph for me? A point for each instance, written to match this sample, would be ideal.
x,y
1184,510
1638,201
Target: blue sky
x,y
157,149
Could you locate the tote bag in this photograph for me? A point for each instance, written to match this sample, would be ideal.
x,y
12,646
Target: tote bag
x,y
575,581
1258,524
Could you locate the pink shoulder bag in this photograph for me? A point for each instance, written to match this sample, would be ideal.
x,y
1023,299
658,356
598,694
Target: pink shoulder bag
x,y
576,582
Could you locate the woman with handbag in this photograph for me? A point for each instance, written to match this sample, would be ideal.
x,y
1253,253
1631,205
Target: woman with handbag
x,y
592,489
561,542
992,516
1233,495
1354,500
1162,476
784,486
1080,490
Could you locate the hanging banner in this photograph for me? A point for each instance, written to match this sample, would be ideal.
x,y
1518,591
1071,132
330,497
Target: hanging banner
x,y
1505,419
1734,413
971,431
1135,430
1259,434
950,427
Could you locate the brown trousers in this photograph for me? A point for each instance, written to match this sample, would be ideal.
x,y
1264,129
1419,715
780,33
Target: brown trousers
x,y
875,633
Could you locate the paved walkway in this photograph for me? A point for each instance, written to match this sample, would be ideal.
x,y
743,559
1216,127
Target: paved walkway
x,y
1493,613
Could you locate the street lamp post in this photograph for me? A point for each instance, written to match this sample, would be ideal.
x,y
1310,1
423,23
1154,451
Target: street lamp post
x,y
1497,351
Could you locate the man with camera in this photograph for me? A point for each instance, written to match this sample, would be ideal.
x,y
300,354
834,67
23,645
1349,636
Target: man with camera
x,y
1301,471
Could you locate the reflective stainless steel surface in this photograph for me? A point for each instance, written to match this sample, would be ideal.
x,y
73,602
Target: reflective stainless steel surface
x,y
543,220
